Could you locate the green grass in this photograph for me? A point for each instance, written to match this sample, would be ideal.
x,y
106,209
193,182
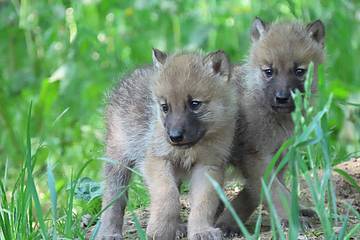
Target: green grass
x,y
63,56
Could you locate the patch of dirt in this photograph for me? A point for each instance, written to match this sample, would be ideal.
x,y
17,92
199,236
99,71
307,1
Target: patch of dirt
x,y
344,190
345,194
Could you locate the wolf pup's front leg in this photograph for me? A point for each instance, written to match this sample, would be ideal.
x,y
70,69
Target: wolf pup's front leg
x,y
164,194
204,202
114,201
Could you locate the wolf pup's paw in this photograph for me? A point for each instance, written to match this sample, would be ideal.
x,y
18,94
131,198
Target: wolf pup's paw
x,y
181,232
304,223
111,237
208,234
307,212
227,229
227,225
160,231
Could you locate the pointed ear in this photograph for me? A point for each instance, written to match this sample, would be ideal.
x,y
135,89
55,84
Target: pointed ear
x,y
258,29
159,57
218,64
316,30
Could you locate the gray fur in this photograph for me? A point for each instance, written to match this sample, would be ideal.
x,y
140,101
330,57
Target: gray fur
x,y
262,129
137,136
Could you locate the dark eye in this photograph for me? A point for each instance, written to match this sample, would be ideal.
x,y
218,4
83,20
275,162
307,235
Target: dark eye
x,y
195,105
164,108
299,72
268,72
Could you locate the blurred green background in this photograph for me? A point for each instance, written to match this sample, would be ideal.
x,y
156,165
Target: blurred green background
x,y
64,56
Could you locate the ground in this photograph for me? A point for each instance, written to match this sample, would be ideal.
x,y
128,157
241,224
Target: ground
x,y
345,193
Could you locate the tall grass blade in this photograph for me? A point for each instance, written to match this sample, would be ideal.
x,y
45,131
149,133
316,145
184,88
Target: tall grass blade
x,y
258,225
353,231
348,178
5,214
94,218
70,200
69,209
60,116
274,216
140,231
344,226
95,231
294,209
227,204
53,197
30,181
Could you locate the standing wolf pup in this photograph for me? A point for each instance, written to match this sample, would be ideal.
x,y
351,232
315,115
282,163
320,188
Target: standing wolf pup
x,y
173,119
279,57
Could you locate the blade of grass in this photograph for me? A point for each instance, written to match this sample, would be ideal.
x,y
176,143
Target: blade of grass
x,y
227,204
274,216
344,226
317,195
53,197
353,210
30,180
348,178
270,167
70,200
294,209
95,231
353,231
326,181
93,219
69,209
60,116
140,231
258,225
5,214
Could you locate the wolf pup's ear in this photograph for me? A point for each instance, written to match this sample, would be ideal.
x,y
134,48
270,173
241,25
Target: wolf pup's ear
x,y
218,63
316,30
258,29
159,57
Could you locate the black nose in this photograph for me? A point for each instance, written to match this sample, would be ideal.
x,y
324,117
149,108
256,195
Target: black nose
x,y
282,97
176,135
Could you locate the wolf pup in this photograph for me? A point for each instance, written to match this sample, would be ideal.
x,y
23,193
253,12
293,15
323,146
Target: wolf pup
x,y
173,119
279,57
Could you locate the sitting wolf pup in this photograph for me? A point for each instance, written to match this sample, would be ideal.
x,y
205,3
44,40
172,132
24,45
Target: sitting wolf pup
x,y
279,57
172,120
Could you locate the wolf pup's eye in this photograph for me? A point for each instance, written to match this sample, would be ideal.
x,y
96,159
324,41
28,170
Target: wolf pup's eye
x,y
195,105
164,108
299,72
268,72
